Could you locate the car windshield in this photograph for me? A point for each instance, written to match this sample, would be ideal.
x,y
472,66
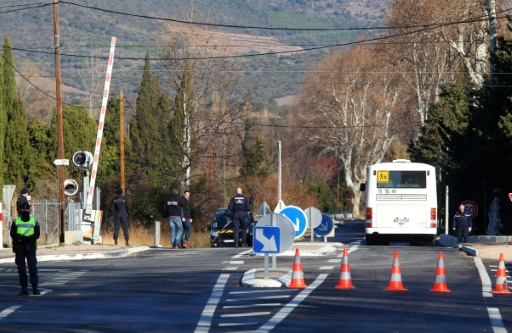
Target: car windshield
x,y
220,221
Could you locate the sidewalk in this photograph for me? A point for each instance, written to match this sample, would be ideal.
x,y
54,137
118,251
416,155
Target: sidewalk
x,y
75,252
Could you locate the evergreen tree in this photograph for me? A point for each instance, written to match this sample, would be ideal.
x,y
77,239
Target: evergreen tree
x,y
110,167
149,130
3,122
79,131
149,163
18,151
254,152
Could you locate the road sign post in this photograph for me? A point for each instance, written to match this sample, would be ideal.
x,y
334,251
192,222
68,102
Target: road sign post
x,y
267,240
314,219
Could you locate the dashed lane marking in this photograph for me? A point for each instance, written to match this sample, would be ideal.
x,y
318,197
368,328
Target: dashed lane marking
x,y
8,311
203,326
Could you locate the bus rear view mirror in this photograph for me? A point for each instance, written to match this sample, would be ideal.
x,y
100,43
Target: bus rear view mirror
x,y
362,187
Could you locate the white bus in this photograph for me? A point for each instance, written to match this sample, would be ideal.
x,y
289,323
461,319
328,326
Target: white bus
x,y
401,202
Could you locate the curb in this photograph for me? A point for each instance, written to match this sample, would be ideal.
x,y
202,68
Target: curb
x,y
82,256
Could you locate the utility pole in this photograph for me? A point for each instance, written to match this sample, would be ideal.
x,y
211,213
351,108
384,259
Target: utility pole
x,y
121,139
60,131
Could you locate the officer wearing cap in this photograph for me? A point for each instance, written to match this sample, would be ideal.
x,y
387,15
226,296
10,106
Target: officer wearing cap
x,y
121,210
23,198
239,206
25,231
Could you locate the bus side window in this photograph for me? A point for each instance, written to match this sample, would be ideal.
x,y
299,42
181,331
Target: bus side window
x,y
362,187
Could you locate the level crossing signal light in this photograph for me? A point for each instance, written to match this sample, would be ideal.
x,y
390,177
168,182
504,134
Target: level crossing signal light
x,y
83,159
70,187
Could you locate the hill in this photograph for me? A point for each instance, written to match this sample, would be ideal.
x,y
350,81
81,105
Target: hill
x,y
86,28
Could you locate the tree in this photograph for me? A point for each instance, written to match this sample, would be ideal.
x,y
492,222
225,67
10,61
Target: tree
x,y
17,149
350,113
206,109
254,152
149,135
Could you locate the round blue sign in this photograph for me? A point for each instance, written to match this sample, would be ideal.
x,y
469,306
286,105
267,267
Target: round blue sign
x,y
298,218
325,226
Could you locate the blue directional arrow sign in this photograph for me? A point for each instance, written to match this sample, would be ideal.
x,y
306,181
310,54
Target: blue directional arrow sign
x,y
325,226
298,218
267,239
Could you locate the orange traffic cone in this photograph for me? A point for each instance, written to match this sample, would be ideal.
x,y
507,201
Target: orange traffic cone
x,y
501,287
395,283
440,285
297,274
345,281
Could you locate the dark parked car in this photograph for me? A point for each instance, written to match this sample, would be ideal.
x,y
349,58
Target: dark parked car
x,y
221,229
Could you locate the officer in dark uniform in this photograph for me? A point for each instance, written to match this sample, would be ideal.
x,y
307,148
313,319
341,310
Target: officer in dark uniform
x,y
239,206
121,209
25,231
23,198
462,222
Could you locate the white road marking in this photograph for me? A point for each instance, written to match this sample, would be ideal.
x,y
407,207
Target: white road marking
x,y
326,268
8,311
496,321
206,317
334,260
238,324
484,277
251,305
255,291
288,308
230,268
245,314
255,298
494,313
233,262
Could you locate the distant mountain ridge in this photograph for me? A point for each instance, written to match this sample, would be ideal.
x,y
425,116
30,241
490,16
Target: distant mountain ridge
x,y
86,27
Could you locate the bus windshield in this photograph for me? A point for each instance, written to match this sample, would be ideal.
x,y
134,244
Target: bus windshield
x,y
401,179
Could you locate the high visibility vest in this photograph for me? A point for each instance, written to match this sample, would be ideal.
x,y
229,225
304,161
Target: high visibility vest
x,y
25,228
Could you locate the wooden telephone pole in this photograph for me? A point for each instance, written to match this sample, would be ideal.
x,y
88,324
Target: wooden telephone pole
x,y
60,131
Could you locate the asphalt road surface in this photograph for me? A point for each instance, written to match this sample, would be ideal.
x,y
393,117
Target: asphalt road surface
x,y
198,290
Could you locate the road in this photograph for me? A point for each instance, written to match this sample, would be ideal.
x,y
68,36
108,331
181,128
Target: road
x,y
198,290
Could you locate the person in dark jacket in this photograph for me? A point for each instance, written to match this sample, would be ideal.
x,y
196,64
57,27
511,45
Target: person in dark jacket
x,y
186,218
25,231
121,209
23,198
239,206
462,223
172,211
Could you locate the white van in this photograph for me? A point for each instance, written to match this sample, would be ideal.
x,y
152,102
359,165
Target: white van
x,y
401,202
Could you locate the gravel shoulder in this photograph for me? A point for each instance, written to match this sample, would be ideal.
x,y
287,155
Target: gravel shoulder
x,y
493,250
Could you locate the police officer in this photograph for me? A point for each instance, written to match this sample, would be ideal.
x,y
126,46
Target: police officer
x,y
121,209
25,231
462,223
23,198
239,206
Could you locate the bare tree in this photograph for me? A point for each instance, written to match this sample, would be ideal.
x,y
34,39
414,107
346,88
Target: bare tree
x,y
92,75
207,111
36,89
350,110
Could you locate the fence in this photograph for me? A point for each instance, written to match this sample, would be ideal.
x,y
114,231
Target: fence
x,y
47,213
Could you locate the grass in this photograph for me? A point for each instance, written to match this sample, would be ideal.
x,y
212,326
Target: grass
x,y
140,236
